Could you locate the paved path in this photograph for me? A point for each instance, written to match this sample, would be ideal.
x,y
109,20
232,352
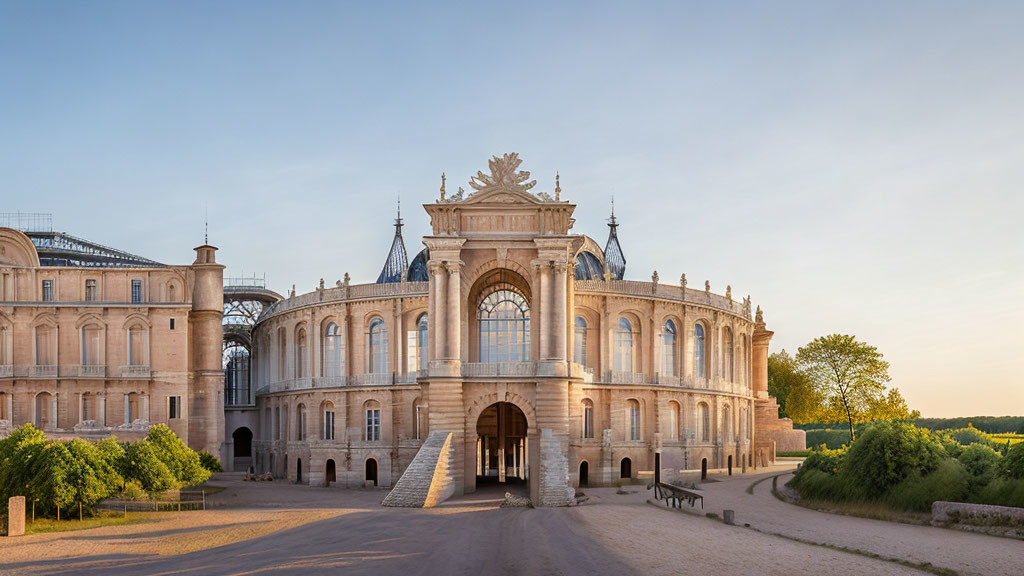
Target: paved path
x,y
962,552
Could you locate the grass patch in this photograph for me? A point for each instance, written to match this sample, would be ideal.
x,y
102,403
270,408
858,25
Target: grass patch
x,y
105,518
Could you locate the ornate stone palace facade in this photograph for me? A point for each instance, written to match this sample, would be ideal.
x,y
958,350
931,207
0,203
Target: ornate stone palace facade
x,y
96,342
509,350
516,349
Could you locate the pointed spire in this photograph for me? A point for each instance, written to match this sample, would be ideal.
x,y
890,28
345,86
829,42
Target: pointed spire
x,y
398,261
614,260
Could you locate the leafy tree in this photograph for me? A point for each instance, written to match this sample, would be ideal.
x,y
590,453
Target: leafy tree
x,y
210,462
91,476
182,461
793,390
891,407
849,375
1013,462
51,482
887,453
19,456
982,462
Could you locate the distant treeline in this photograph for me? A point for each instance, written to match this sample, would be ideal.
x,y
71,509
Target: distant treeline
x,y
989,424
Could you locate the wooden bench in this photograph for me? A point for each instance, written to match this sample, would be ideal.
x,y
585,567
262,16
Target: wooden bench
x,y
674,495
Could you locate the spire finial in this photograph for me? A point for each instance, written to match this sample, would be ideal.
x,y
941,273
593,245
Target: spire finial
x,y
443,178
558,187
206,226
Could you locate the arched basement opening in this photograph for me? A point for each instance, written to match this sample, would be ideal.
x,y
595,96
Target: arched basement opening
x,y
584,474
703,468
242,440
330,473
298,470
626,468
501,445
371,472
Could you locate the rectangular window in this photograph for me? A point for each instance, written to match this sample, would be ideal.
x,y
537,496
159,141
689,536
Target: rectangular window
x,y
373,424
172,323
173,407
90,290
47,290
136,291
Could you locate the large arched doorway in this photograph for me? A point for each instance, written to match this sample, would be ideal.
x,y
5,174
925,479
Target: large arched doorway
x,y
242,440
626,468
584,474
330,474
298,471
501,445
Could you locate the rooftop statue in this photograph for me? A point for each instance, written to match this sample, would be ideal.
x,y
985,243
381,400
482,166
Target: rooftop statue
x,y
503,174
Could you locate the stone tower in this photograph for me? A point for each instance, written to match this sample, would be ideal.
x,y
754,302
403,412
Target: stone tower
x,y
206,374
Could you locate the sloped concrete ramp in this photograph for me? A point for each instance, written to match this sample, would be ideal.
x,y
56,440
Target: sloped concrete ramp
x,y
428,480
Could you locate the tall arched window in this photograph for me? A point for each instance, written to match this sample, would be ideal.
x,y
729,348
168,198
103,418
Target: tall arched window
x,y
727,354
588,418
378,347
704,418
46,345
579,342
92,341
699,370
332,351
301,356
421,342
633,418
282,355
624,346
673,420
668,349
300,422
503,318
372,421
5,347
137,346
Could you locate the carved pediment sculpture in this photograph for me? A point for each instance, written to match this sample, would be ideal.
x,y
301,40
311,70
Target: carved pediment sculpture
x,y
504,174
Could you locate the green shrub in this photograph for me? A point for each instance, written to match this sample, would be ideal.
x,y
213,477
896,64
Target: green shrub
x,y
1002,492
969,435
1013,463
182,461
915,493
887,452
19,457
210,462
142,465
824,460
982,463
133,491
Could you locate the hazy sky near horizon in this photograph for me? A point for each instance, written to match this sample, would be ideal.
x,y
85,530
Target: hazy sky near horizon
x,y
856,167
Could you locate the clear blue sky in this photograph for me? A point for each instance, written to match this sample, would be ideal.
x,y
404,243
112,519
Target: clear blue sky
x,y
856,167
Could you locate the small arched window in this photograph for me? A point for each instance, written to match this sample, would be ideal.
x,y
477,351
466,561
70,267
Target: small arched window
x,y
327,418
633,418
588,418
372,421
378,355
699,369
301,353
579,343
332,351
5,347
704,418
171,296
503,319
624,346
421,342
668,349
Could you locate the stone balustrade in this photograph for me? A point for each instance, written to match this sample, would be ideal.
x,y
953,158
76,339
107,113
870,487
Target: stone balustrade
x,y
663,291
499,369
7,371
346,293
92,371
135,371
43,371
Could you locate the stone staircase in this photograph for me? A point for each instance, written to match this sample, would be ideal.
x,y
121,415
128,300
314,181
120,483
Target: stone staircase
x,y
427,481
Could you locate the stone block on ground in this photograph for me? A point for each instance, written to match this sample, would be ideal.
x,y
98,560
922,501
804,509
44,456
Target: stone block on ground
x,y
16,516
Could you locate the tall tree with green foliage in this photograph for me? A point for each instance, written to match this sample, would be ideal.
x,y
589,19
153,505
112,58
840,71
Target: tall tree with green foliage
x,y
849,376
792,389
182,461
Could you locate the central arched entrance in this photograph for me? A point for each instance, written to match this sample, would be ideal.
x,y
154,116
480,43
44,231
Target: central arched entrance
x,y
501,445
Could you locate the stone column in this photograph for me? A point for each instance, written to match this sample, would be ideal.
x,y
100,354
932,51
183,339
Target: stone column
x,y
762,337
545,310
558,327
440,297
81,406
399,344
144,412
127,410
54,423
101,409
453,333
10,407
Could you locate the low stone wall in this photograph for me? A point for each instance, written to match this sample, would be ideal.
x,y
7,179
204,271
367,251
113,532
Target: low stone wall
x,y
977,514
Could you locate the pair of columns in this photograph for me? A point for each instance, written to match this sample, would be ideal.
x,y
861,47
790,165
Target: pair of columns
x,y
553,300
446,280
101,409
